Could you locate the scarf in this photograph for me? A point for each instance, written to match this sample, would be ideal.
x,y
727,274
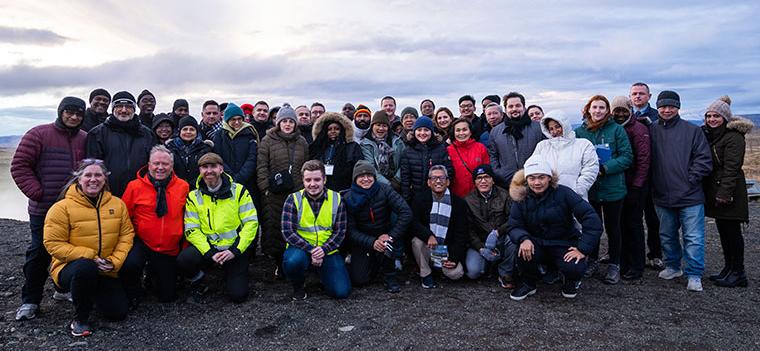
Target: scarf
x,y
594,126
514,127
440,214
209,130
160,185
359,196
131,127
384,158
713,134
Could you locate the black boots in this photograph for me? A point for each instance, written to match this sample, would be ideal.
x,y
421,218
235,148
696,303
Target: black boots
x,y
720,276
733,279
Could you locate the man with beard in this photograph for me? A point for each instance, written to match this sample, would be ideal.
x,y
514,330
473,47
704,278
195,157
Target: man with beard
x,y
388,104
98,111
211,120
512,142
305,122
122,142
361,118
146,101
260,120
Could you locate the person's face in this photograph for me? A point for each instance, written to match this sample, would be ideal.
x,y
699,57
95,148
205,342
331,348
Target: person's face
x,y
514,107
667,112
620,114
313,182
466,108
235,122
422,135
485,103
443,119
212,173
427,108
160,165
380,130
261,113
147,104
304,116
389,107
317,112
348,111
640,96
164,130
181,111
287,126
484,183
597,110
333,131
211,114
493,116
713,120
92,180
555,129
538,183
408,121
438,182
188,133
535,114
362,120
99,103
72,118
124,111
365,181
462,132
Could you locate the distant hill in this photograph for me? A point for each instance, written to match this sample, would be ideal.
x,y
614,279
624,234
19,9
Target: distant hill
x,y
10,141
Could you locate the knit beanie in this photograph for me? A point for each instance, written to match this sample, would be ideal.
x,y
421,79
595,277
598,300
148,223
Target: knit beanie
x,y
423,122
144,93
285,112
363,167
483,169
180,103
99,92
722,106
621,101
123,96
72,104
247,108
668,98
411,110
493,98
380,117
362,109
537,165
232,110
188,121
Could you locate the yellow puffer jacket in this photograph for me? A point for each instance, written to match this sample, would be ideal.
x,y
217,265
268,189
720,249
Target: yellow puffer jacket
x,y
75,229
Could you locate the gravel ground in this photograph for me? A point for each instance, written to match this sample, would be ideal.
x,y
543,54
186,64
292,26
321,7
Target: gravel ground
x,y
649,314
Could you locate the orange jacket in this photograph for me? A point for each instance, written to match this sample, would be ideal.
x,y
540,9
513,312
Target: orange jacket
x,y
162,234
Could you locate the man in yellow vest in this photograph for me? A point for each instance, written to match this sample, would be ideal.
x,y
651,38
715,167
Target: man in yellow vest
x,y
220,224
314,226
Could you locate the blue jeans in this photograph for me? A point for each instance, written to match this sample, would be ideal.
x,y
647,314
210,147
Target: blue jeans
x,y
691,221
332,272
476,265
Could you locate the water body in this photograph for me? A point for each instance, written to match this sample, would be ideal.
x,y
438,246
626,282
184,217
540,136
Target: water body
x,y
13,203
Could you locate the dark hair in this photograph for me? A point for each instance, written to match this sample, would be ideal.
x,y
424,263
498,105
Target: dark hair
x,y
453,126
513,95
261,102
273,112
318,104
640,84
467,98
536,106
423,101
387,97
223,106
209,102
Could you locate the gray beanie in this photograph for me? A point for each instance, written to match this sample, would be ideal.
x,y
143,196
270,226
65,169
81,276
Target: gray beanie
x,y
722,106
285,112
363,167
411,110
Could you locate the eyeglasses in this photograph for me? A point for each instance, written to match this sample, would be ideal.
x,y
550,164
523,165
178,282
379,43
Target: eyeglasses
x,y
127,105
482,178
92,161
438,179
78,113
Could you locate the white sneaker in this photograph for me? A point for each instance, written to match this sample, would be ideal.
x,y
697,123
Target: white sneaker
x,y
670,273
27,311
59,296
695,284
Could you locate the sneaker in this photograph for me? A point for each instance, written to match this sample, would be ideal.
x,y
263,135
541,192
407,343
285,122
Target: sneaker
x,y
428,282
721,275
522,292
613,274
27,311
80,328
591,268
299,294
507,282
398,265
59,296
570,289
391,284
694,284
656,263
670,273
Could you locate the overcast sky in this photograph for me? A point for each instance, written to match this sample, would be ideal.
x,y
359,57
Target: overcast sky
x,y
557,54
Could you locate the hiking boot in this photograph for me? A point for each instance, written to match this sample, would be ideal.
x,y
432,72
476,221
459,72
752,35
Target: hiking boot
x,y
656,263
613,274
721,275
391,284
27,311
591,268
522,292
299,294
670,273
733,279
694,284
59,296
507,282
80,328
570,289
428,282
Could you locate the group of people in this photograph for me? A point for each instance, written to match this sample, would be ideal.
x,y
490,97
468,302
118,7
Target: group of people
x,y
125,203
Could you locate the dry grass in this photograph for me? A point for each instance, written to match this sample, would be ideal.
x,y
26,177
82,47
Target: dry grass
x,y
752,155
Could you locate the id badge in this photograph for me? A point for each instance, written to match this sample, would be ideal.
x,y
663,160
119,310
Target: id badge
x,y
329,169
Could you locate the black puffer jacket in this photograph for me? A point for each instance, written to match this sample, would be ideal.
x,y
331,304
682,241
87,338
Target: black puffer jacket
x,y
238,150
345,152
186,158
727,177
416,160
373,219
124,146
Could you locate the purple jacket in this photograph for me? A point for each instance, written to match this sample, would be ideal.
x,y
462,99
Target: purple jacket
x,y
43,162
638,134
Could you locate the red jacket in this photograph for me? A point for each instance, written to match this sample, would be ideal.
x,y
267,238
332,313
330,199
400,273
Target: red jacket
x,y
470,153
163,234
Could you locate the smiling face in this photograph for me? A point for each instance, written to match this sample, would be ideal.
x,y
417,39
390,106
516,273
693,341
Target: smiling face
x,y
147,104
462,131
438,182
164,130
212,173
99,104
72,118
160,165
188,133
124,111
713,120
408,121
555,129
597,110
211,114
92,180
422,135
365,181
313,182
389,106
467,108
667,112
443,119
535,114
484,183
515,107
427,108
380,130
333,131
261,113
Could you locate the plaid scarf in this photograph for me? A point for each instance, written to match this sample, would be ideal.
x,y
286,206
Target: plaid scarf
x,y
440,214
384,158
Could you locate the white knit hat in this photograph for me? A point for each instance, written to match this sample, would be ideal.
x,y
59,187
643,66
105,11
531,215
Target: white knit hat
x,y
537,165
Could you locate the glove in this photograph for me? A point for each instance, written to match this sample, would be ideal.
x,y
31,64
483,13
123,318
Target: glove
x,y
491,240
489,255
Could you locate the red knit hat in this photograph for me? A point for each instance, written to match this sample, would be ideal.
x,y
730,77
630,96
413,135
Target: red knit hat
x,y
247,108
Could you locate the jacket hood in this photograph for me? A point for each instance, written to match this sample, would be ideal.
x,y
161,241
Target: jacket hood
x,y
162,117
518,189
740,124
245,127
559,117
330,117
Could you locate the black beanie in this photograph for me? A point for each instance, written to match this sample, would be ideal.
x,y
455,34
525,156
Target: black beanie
x,y
71,103
180,103
124,95
483,169
145,92
99,91
188,121
493,98
668,98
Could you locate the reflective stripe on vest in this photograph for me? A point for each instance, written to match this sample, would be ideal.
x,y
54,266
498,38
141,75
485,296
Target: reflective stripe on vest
x,y
316,229
230,234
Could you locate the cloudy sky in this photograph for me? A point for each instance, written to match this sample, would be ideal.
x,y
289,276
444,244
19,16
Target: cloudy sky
x,y
558,54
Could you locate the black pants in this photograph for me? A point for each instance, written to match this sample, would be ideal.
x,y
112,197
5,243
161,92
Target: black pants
x,y
36,264
366,264
632,248
81,277
162,271
732,241
610,212
653,226
550,255
190,261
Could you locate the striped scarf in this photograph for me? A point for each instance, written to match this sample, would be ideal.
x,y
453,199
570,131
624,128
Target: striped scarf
x,y
440,214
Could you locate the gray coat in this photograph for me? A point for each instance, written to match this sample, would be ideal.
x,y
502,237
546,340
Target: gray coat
x,y
509,155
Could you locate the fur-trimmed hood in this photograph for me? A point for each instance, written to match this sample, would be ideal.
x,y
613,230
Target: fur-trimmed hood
x,y
740,124
330,117
518,189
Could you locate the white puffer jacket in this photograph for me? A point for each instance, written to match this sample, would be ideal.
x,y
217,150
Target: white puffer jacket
x,y
575,160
